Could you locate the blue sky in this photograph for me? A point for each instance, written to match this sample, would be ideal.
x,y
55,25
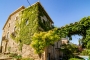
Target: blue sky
x,y
62,12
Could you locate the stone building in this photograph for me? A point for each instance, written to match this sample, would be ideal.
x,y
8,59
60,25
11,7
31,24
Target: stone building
x,y
8,28
9,45
53,51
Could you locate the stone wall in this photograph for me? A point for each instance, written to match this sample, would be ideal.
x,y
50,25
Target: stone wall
x,y
28,51
7,30
12,45
53,51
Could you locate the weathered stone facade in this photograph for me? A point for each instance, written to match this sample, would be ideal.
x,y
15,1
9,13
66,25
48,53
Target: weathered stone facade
x,y
53,51
9,27
10,46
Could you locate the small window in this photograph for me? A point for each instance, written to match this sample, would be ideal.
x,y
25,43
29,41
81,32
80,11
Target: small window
x,y
44,21
40,29
14,29
20,41
14,32
51,25
7,35
9,25
16,18
27,22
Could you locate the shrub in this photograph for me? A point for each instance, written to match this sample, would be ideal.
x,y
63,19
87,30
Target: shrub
x,y
27,59
16,56
74,59
85,52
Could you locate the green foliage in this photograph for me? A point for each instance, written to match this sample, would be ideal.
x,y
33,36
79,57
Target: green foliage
x,y
14,55
85,52
68,51
81,28
20,46
75,59
46,24
12,36
29,23
89,56
27,59
18,57
69,47
27,31
44,39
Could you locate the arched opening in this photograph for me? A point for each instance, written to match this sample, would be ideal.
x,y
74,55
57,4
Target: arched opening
x,y
76,39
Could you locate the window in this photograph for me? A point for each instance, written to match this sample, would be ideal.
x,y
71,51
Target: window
x,y
14,29
16,18
9,25
20,41
44,21
7,35
40,29
51,24
14,32
27,22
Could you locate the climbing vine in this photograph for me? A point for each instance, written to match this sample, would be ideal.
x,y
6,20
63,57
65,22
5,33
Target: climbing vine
x,y
28,32
26,26
29,23
44,39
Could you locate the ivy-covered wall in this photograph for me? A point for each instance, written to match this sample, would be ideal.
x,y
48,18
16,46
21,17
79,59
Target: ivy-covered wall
x,y
46,24
29,23
44,39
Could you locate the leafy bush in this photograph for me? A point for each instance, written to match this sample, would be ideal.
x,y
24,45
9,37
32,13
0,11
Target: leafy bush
x,y
19,57
26,59
16,56
75,59
85,52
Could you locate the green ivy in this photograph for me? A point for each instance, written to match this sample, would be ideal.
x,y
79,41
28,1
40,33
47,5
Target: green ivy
x,y
42,40
29,24
27,59
16,56
27,31
75,59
